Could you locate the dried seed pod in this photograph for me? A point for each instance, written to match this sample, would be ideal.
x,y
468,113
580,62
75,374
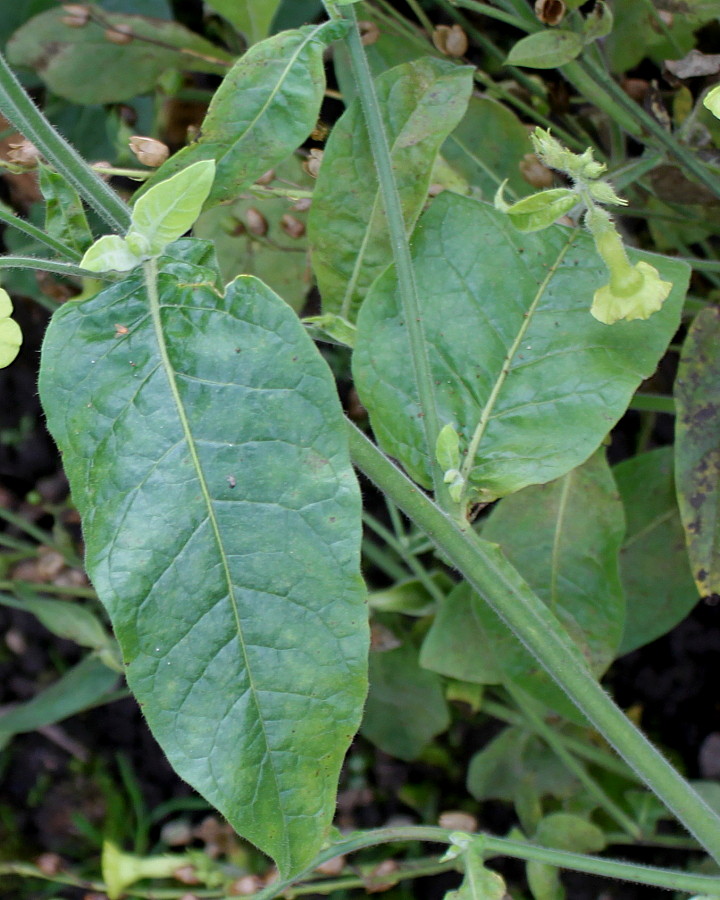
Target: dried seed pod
x,y
266,177
49,863
302,205
369,32
450,40
312,163
244,886
332,866
76,15
119,34
550,12
292,226
458,821
149,151
256,222
23,152
534,172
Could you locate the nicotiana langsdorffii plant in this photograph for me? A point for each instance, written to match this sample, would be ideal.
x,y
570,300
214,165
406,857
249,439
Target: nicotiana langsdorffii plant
x,y
210,460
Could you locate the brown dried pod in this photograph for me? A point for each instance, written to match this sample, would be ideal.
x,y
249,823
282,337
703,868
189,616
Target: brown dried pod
x,y
369,32
76,15
450,40
49,863
186,875
332,866
292,226
534,172
149,151
119,34
550,12
458,821
23,152
302,205
312,163
244,886
256,222
266,177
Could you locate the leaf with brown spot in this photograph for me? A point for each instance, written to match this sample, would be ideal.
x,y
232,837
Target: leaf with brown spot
x,y
697,453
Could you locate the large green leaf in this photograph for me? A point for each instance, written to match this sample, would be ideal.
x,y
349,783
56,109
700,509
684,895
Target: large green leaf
x,y
697,448
265,108
280,256
487,147
518,363
564,538
654,566
406,706
421,103
207,455
68,59
252,17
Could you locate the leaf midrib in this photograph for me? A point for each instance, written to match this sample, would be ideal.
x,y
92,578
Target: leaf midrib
x,y
150,269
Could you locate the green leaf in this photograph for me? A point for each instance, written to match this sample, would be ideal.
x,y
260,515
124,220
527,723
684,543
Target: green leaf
x,y
564,538
410,597
293,13
487,147
520,366
207,455
281,81
406,706
538,211
421,103
514,762
82,686
67,620
654,567
598,23
562,831
637,33
67,58
169,209
10,334
279,257
546,49
64,213
697,448
479,883
252,17
110,253
447,448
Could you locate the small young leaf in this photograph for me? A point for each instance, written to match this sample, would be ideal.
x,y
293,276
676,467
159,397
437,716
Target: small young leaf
x,y
599,22
447,448
64,213
10,334
546,49
110,253
170,208
539,211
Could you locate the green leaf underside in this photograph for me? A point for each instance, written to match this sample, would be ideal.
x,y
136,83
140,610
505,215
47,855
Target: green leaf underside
x,y
252,17
422,102
264,109
81,686
406,706
67,58
654,566
64,213
518,363
207,456
564,539
546,49
697,448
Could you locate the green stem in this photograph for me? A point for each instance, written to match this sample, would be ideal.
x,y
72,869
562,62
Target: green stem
x,y
19,109
664,878
383,560
554,741
497,582
653,403
65,590
493,13
581,748
398,240
42,537
49,265
38,234
421,16
410,561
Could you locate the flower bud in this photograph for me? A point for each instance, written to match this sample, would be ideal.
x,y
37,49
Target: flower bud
x,y
149,151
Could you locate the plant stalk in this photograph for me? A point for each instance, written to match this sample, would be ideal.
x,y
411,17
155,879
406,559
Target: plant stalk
x,y
496,581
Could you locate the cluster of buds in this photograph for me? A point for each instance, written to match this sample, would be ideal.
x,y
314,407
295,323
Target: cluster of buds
x,y
633,291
